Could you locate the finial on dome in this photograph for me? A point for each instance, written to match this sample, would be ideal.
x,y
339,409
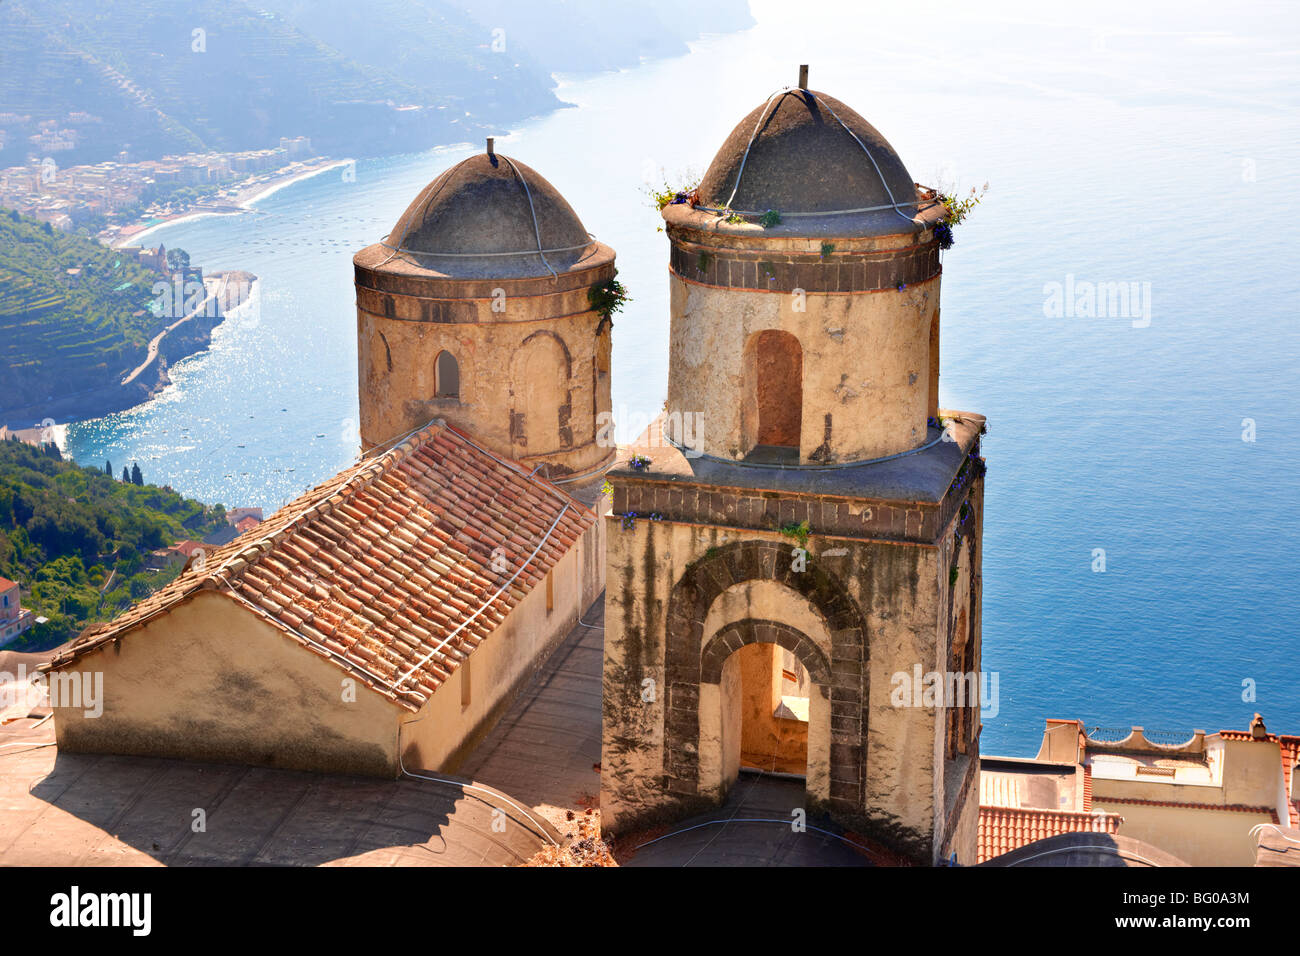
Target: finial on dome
x,y
803,76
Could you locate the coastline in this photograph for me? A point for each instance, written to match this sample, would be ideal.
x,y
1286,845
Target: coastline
x,y
243,202
228,291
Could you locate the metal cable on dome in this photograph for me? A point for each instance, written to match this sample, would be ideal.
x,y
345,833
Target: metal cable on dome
x,y
893,203
741,171
889,192
533,212
446,178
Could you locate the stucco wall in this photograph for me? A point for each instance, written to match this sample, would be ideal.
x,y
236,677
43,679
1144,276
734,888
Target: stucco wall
x,y
865,359
1198,837
212,681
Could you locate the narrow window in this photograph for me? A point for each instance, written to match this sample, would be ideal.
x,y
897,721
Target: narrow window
x,y
550,593
447,375
464,684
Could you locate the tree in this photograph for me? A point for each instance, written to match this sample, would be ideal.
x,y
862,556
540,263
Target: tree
x,y
136,477
126,475
108,468
178,260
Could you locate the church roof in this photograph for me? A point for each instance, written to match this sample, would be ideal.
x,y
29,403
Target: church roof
x,y
490,214
805,152
394,570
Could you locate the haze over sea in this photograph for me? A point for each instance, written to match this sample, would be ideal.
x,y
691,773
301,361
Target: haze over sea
x,y
1122,143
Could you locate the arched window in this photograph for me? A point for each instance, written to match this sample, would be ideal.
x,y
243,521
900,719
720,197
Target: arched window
x,y
447,376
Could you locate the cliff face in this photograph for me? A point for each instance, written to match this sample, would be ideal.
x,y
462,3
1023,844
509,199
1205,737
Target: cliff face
x,y
115,392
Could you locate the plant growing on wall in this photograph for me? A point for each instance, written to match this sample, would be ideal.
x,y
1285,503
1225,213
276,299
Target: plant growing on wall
x,y
639,462
769,219
957,211
606,298
799,532
628,521
734,218
668,194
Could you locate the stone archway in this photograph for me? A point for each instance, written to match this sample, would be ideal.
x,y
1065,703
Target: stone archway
x,y
719,741
847,679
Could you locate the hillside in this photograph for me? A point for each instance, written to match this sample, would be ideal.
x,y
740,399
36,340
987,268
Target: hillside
x,y
376,78
58,333
65,529
128,76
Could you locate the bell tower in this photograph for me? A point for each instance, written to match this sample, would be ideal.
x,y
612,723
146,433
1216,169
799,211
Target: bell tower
x,y
476,309
805,536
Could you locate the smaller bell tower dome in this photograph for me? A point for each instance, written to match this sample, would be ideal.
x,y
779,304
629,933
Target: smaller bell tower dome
x,y
475,309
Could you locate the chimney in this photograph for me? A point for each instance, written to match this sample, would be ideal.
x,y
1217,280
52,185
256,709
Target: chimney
x,y
1257,729
490,151
803,76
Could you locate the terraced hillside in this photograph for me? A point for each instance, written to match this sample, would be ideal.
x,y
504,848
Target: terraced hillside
x,y
61,334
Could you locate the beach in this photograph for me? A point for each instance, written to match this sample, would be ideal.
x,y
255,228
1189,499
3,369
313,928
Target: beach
x,y
249,194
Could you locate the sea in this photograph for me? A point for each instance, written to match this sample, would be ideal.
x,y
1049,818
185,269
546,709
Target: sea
x,y
1141,495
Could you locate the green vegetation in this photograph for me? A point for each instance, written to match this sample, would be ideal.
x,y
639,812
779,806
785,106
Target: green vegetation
x,y
827,249
799,532
684,192
606,298
734,218
61,334
959,209
769,219
76,540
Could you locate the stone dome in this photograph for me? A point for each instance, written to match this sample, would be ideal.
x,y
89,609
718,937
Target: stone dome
x,y
490,214
803,160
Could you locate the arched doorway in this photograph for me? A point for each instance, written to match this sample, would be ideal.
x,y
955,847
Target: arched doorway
x,y
747,720
772,414
693,711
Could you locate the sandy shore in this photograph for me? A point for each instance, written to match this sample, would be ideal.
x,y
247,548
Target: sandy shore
x,y
242,202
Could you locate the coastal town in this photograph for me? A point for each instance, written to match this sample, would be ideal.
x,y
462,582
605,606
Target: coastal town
x,y
117,199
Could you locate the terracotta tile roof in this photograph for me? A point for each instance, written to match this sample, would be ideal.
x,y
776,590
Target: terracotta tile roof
x,y
379,568
1003,829
1230,807
1244,735
6,584
1290,757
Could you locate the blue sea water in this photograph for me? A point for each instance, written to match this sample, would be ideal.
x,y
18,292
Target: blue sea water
x,y
1122,143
